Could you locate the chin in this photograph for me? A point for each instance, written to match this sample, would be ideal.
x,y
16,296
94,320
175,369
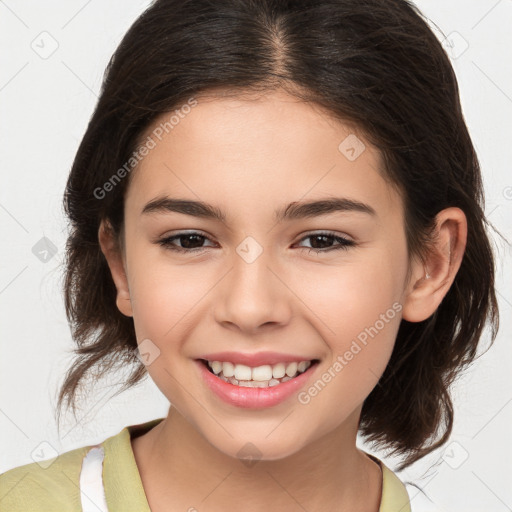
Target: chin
x,y
250,449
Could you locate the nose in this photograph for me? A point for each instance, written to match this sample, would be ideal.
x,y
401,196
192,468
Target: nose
x,y
253,296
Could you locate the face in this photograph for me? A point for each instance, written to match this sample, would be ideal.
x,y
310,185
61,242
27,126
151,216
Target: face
x,y
322,283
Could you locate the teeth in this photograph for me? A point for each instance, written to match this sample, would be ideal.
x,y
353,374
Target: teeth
x,y
216,367
242,372
302,366
278,370
262,373
259,376
252,384
291,369
228,369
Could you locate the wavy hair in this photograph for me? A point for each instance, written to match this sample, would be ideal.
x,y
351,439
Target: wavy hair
x,y
373,63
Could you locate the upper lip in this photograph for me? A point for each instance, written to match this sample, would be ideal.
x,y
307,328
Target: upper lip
x,y
256,359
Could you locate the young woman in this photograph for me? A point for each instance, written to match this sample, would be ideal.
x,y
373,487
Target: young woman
x,y
276,212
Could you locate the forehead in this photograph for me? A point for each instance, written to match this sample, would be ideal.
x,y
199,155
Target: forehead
x,y
247,152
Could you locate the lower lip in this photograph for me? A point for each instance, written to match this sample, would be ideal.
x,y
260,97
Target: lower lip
x,y
254,397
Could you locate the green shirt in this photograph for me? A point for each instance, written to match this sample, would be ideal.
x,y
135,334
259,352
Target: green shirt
x,y
56,488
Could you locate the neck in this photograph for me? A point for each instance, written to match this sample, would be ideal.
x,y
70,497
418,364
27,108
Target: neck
x,y
180,468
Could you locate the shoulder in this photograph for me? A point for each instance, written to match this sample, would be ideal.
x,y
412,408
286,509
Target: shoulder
x,y
403,496
55,484
394,495
47,485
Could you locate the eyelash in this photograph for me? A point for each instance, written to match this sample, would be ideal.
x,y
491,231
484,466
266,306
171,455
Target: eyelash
x,y
344,243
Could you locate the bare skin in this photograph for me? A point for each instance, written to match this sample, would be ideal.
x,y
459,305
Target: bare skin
x,y
250,158
223,482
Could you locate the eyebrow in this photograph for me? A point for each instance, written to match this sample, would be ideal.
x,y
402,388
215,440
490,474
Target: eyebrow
x,y
293,211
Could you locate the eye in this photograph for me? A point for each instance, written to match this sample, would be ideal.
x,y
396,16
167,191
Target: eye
x,y
322,242
193,242
190,242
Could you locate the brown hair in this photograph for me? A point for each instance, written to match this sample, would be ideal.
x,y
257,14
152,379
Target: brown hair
x,y
373,63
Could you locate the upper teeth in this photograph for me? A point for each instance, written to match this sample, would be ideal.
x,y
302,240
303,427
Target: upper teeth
x,y
259,373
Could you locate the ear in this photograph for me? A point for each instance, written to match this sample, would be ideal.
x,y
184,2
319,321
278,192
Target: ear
x,y
430,280
114,256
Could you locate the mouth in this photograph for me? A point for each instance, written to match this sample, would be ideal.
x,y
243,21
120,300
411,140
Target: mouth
x,y
264,376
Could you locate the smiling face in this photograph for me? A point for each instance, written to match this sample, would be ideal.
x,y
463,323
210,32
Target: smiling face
x,y
260,275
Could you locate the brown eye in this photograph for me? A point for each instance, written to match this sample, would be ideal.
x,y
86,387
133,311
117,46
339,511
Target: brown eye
x,y
189,242
322,242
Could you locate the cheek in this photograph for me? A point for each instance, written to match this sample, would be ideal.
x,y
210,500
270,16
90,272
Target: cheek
x,y
353,295
357,313
356,308
165,298
163,294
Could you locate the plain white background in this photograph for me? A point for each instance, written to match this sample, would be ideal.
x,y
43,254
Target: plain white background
x,y
53,55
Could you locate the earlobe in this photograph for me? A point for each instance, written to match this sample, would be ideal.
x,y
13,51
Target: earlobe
x,y
113,254
431,279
